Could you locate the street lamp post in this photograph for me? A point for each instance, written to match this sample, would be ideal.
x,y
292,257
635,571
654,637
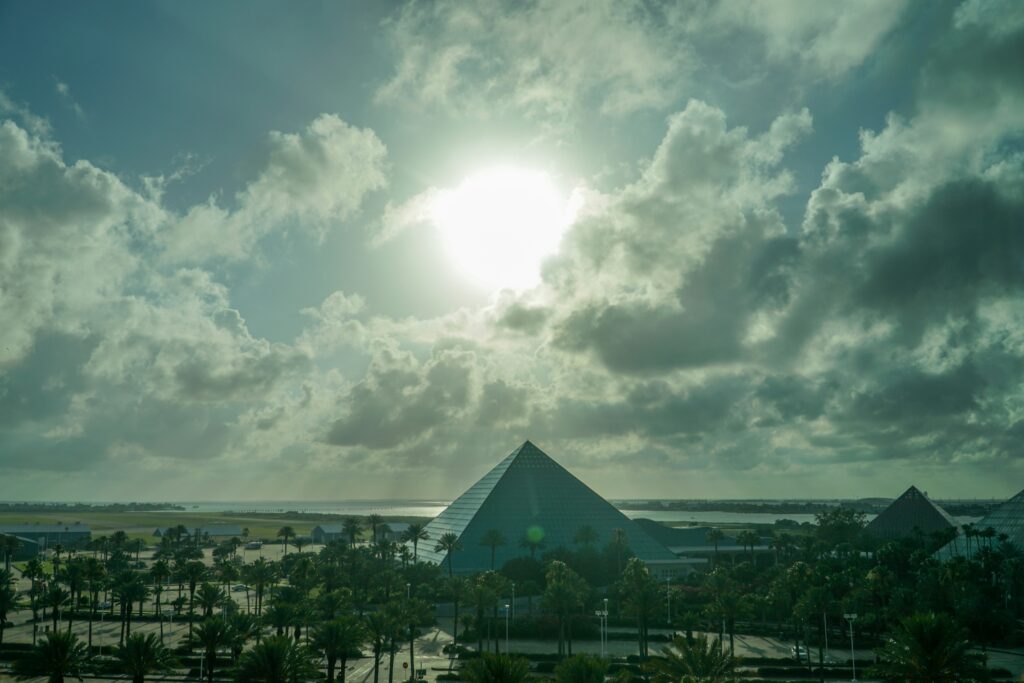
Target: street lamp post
x,y
506,628
408,591
602,616
513,601
853,657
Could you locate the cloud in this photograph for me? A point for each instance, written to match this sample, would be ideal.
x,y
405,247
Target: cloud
x,y
63,91
311,181
546,58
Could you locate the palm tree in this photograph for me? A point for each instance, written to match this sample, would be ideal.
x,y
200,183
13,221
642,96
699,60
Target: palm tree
x,y
586,536
8,600
213,634
34,573
337,639
924,648
277,659
260,575
531,543
641,597
582,669
55,598
9,544
60,654
563,597
142,654
491,668
286,532
210,597
748,539
448,543
159,572
415,533
620,543
352,527
714,536
374,521
378,627
194,571
492,539
700,660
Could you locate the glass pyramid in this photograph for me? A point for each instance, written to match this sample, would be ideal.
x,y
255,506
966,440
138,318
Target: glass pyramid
x,y
1007,519
529,495
911,510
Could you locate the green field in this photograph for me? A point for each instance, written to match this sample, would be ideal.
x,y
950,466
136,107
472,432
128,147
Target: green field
x,y
142,524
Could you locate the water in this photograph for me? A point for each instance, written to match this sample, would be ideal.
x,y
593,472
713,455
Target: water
x,y
711,517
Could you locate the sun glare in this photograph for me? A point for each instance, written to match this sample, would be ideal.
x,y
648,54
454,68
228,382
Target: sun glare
x,y
500,224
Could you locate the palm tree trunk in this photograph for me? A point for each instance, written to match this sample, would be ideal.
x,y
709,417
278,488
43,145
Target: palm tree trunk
x,y
344,665
330,670
391,662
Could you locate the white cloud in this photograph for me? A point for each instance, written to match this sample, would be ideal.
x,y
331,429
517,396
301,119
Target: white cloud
x,y
548,58
312,181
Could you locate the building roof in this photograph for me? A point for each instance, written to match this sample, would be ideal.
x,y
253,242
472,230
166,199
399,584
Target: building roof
x,y
1007,519
912,510
208,530
529,494
330,528
15,529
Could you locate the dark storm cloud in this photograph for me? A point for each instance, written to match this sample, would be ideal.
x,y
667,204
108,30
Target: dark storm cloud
x,y
400,399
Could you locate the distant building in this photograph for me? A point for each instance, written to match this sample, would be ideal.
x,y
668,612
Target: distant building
x,y
1006,520
49,535
392,531
213,531
26,550
325,533
528,498
912,510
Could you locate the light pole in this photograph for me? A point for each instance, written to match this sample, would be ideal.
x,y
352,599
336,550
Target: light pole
x,y
408,591
506,628
602,616
853,657
513,601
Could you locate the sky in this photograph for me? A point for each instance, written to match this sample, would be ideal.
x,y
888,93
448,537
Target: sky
x,y
331,250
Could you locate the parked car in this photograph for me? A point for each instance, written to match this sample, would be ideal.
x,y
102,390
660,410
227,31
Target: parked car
x,y
239,588
800,653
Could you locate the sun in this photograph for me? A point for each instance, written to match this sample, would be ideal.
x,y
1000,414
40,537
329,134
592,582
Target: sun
x,y
499,224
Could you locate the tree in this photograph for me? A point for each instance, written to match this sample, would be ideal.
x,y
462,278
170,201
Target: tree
x,y
700,660
586,536
492,539
277,659
9,545
375,521
491,668
59,655
160,572
640,597
619,543
448,544
8,599
210,597
531,543
193,572
926,648
352,527
582,669
286,532
414,534
213,634
142,654
56,598
714,536
261,574
336,640
563,597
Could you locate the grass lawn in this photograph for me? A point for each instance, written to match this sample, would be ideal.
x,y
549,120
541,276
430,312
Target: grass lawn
x,y
142,524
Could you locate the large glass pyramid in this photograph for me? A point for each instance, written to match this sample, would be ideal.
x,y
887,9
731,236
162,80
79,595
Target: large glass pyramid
x,y
529,495
1007,519
912,510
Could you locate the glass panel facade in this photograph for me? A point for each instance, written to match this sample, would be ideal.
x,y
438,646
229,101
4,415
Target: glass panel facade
x,y
530,495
